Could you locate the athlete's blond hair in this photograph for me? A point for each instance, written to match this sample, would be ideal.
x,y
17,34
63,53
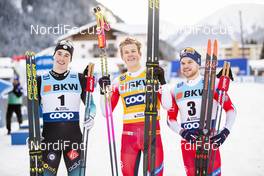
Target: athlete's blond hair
x,y
129,41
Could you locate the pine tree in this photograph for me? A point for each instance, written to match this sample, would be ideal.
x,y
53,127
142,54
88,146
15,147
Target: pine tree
x,y
262,52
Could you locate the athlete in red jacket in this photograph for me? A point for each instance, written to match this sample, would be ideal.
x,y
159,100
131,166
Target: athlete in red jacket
x,y
187,97
130,87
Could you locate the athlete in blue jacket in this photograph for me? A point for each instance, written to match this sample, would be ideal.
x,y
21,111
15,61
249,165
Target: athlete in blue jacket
x,y
60,95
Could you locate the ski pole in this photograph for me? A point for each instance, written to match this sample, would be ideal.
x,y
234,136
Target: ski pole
x,y
224,81
87,117
103,25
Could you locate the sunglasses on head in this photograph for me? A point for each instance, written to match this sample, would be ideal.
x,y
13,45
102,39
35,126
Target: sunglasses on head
x,y
187,50
66,42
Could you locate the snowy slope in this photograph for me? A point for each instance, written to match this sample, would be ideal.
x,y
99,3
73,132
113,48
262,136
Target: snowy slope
x,y
242,154
224,25
252,15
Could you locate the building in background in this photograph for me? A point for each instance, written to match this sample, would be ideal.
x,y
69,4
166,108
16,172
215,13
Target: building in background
x,y
86,48
234,50
85,41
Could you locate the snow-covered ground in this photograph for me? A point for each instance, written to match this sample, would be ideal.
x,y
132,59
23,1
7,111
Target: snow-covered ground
x,y
242,153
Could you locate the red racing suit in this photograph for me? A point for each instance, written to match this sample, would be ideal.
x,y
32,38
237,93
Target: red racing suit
x,y
187,97
130,87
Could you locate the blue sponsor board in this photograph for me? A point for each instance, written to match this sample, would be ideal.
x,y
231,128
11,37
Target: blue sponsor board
x,y
175,68
241,63
44,62
5,86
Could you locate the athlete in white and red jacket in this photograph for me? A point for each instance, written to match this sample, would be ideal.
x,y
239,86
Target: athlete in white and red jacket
x,y
130,88
187,97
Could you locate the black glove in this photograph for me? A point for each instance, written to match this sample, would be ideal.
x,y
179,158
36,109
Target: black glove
x,y
230,74
17,90
103,82
85,71
160,73
220,138
189,135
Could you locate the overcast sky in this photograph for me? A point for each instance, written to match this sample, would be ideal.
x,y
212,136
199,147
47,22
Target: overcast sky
x,y
177,12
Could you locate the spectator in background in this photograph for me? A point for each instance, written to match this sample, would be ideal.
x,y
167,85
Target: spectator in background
x,y
15,99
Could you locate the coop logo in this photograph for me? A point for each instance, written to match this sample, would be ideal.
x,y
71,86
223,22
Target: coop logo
x,y
63,115
190,125
135,99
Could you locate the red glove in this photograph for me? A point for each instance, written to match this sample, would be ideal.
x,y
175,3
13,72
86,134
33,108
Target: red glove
x,y
90,84
223,84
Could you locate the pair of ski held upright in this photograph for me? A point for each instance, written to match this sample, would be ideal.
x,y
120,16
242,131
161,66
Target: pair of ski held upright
x,y
202,156
35,154
152,84
205,157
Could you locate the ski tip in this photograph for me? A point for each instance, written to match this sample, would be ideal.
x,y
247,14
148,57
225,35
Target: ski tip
x,y
209,47
29,54
215,47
